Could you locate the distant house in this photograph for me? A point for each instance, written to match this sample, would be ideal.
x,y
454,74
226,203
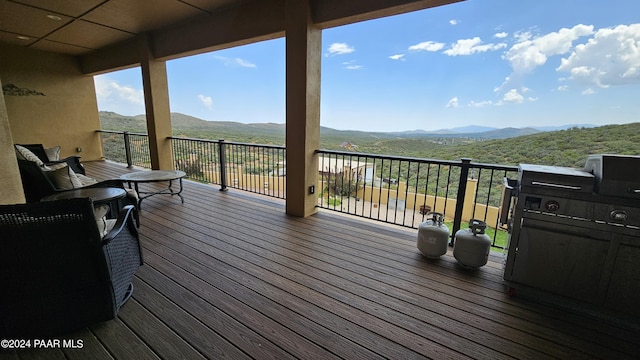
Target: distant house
x,y
357,170
348,145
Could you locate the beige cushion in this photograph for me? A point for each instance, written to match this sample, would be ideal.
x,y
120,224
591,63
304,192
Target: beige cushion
x,y
53,153
63,177
132,194
85,180
104,225
25,154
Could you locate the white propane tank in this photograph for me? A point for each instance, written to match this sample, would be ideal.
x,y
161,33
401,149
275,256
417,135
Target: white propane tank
x,y
471,247
433,236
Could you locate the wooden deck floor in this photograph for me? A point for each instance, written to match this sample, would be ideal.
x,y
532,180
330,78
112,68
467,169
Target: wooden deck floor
x,y
230,275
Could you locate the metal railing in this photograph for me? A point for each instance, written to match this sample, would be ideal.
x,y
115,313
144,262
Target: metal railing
x,y
402,190
126,147
391,189
249,167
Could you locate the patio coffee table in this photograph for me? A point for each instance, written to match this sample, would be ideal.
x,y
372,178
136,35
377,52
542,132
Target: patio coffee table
x,y
99,195
151,176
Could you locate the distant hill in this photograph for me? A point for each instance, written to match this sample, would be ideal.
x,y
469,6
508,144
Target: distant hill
x,y
471,133
470,129
562,127
508,146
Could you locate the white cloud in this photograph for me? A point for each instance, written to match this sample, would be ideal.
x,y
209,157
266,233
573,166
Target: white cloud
x,y
611,57
339,49
513,96
472,46
207,101
427,46
563,88
351,65
397,57
244,63
588,91
501,35
530,52
122,99
522,36
480,104
236,62
109,90
453,103
453,22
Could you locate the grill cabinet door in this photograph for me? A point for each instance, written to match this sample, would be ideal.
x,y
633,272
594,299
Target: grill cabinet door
x,y
560,259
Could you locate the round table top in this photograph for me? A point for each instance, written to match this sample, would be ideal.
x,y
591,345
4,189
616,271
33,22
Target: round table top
x,y
153,175
96,194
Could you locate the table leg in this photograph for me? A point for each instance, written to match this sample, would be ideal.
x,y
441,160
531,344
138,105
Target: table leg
x,y
167,191
179,193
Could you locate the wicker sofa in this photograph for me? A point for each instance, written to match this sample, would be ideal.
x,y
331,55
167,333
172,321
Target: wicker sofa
x,y
58,272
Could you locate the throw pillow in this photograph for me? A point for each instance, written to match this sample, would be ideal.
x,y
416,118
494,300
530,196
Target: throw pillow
x,y
25,154
53,153
63,177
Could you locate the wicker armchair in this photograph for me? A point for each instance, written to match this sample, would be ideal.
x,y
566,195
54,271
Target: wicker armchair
x,y
58,274
37,184
72,161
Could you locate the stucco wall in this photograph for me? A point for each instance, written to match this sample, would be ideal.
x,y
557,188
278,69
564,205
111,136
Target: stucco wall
x,y
68,113
10,186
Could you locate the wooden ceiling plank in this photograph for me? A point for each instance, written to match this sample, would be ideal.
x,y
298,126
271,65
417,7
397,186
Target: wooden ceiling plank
x,y
71,8
141,15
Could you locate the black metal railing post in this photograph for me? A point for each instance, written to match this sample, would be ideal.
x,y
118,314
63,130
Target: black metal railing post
x,y
462,190
223,165
127,149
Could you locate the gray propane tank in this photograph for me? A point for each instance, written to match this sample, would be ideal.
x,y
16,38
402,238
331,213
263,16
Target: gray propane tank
x,y
433,236
471,247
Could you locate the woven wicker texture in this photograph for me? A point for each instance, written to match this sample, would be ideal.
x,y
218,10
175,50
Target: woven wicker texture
x,y
55,272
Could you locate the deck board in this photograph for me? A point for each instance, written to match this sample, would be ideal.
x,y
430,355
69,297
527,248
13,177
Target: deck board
x,y
230,275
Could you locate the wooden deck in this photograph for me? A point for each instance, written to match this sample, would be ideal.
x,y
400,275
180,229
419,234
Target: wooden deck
x,y
230,275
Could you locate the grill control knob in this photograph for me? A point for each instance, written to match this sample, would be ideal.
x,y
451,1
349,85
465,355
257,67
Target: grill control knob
x,y
618,215
552,206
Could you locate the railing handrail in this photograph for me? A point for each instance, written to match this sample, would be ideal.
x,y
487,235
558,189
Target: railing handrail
x,y
266,146
417,159
389,157
122,132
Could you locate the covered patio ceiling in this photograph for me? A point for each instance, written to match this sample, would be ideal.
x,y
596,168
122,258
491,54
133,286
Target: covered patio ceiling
x,y
101,31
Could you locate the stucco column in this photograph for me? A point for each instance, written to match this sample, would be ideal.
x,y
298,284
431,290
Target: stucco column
x,y
11,191
156,102
303,56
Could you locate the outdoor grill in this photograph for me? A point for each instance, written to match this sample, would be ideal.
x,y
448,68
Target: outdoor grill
x,y
575,233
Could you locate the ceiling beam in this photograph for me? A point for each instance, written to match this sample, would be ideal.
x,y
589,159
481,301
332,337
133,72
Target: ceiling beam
x,y
332,13
117,57
250,22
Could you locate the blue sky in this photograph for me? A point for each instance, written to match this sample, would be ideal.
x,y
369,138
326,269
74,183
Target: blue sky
x,y
499,63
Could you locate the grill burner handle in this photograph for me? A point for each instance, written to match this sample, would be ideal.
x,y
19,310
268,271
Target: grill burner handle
x,y
558,186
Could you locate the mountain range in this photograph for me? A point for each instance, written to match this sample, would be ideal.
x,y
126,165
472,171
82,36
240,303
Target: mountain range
x,y
182,122
567,146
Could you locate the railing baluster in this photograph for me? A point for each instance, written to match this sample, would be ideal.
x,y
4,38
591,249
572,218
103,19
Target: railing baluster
x,y
127,149
462,189
223,165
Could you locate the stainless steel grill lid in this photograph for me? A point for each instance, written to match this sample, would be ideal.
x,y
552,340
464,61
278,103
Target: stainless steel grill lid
x,y
554,178
616,175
